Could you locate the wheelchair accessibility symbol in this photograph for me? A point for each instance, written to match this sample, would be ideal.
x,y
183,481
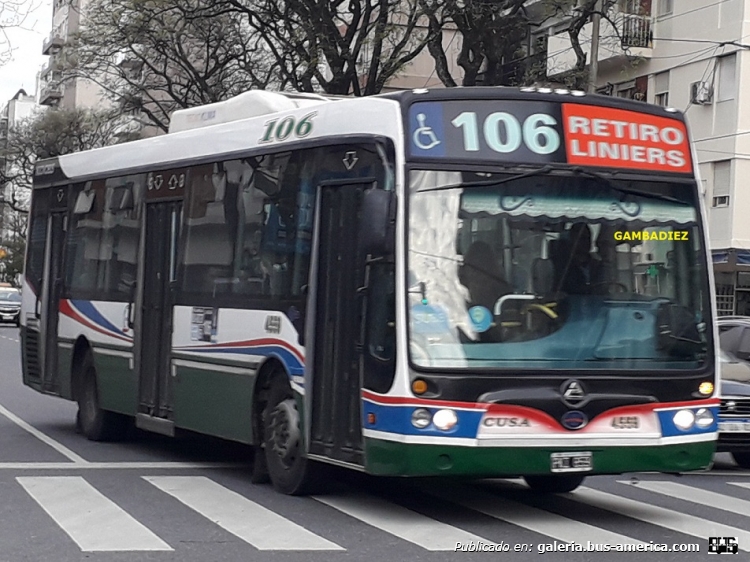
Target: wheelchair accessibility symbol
x,y
424,137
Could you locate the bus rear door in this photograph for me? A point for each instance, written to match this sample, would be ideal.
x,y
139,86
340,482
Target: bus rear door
x,y
153,322
47,306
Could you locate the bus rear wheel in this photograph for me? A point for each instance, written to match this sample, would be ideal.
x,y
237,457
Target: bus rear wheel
x,y
290,471
96,424
554,483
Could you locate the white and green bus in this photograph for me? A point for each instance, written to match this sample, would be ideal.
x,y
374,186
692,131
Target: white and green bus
x,y
470,282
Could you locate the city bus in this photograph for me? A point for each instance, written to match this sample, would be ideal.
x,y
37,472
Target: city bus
x,y
473,282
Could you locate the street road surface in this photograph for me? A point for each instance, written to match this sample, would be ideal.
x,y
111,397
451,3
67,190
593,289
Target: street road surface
x,y
66,499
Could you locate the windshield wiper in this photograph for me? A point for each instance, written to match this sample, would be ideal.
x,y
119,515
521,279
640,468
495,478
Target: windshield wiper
x,y
626,190
483,183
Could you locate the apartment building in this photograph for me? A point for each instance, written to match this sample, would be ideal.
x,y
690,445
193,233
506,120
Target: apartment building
x,y
53,91
18,108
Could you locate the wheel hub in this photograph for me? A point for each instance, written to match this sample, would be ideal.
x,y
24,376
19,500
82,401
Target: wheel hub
x,y
285,434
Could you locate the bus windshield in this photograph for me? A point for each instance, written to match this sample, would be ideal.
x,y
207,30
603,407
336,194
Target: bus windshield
x,y
555,271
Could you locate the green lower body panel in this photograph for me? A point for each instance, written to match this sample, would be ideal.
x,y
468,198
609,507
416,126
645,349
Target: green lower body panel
x,y
116,382
214,403
390,458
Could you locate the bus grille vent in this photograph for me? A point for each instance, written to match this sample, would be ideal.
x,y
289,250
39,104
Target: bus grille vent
x,y
31,354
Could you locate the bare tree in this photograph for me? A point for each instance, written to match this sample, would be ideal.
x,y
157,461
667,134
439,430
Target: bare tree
x,y
336,46
489,33
496,38
13,14
52,133
155,56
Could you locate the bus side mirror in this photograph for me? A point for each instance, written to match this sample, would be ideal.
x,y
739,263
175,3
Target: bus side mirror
x,y
377,222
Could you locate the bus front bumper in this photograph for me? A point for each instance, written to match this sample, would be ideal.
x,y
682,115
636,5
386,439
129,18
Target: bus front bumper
x,y
393,458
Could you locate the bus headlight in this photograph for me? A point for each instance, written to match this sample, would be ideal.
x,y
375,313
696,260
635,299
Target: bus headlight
x,y
421,418
706,388
684,419
704,418
445,420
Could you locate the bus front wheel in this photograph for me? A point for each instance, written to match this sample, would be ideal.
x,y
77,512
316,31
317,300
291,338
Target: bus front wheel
x,y
96,424
290,471
554,483
742,459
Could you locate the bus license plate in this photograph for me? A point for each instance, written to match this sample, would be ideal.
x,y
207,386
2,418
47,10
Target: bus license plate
x,y
571,462
734,426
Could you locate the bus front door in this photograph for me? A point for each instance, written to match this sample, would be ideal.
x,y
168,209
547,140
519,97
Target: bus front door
x,y
48,305
154,317
334,403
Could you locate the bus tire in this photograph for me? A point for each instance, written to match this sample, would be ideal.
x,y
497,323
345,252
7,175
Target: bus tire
x,y
554,483
96,424
742,459
290,471
259,471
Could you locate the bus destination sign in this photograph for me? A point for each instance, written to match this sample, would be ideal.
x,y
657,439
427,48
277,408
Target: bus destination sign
x,y
535,132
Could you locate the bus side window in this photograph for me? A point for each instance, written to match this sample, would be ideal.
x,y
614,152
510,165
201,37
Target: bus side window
x,y
207,257
380,330
37,239
83,244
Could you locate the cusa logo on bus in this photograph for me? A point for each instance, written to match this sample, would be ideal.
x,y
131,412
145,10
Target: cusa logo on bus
x,y
602,136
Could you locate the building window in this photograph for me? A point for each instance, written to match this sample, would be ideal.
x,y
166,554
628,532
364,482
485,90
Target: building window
x,y
727,83
721,201
633,89
661,89
664,7
631,7
722,179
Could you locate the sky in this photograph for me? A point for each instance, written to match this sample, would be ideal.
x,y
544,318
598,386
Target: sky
x,y
27,56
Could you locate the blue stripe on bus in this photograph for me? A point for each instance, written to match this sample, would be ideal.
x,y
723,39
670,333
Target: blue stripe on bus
x,y
669,429
397,419
89,311
290,361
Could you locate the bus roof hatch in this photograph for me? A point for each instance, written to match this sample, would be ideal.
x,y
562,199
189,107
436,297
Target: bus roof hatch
x,y
248,104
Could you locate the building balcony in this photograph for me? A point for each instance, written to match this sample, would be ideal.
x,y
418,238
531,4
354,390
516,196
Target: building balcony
x,y
630,37
52,44
50,94
52,66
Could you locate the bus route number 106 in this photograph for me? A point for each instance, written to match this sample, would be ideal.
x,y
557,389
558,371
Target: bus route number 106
x,y
279,130
537,132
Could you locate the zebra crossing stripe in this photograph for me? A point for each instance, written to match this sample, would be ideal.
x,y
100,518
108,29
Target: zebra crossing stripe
x,y
537,520
695,495
403,523
249,521
741,485
660,516
94,522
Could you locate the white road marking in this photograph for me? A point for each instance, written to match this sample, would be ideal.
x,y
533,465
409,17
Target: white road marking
x,y
59,447
253,523
694,495
94,522
115,465
404,523
540,521
660,516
